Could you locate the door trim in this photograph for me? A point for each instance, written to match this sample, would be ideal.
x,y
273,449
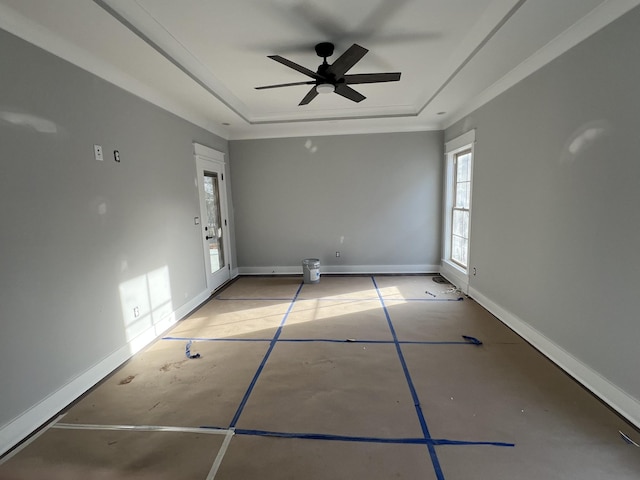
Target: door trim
x,y
208,156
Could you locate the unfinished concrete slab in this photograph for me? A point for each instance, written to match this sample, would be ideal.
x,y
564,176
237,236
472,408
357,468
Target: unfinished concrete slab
x,y
337,319
549,459
417,287
340,287
333,388
313,384
262,287
446,321
504,393
86,454
234,319
160,386
261,458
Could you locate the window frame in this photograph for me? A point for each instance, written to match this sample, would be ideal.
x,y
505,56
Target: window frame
x,y
454,207
459,145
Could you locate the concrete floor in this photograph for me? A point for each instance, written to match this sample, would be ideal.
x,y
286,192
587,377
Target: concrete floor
x,y
356,377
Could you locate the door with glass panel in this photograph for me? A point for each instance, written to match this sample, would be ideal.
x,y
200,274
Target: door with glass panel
x,y
214,221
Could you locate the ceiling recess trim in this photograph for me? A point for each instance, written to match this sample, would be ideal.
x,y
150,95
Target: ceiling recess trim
x,y
474,52
40,36
142,24
594,21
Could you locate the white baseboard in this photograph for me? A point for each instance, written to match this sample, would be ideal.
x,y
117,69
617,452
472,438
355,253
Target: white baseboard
x,y
456,276
22,426
612,395
346,269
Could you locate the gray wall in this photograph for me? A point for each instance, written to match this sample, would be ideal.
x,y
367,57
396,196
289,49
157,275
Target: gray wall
x,y
77,235
555,225
374,198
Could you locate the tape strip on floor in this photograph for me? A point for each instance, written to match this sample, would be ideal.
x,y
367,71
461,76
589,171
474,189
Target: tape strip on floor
x,y
247,394
414,394
348,438
30,440
228,434
223,449
141,428
335,299
328,340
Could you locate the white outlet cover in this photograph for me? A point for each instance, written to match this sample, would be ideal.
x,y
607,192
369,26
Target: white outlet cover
x,y
97,152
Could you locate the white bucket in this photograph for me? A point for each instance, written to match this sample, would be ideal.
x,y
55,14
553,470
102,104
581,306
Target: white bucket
x,y
311,270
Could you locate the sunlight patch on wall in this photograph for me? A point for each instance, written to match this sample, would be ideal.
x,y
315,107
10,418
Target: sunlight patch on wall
x,y
147,307
34,122
584,139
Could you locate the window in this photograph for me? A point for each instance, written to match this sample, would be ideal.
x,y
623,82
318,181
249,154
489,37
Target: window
x,y
457,215
460,210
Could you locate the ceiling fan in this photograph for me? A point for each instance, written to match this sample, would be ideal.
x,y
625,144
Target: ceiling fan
x,y
333,77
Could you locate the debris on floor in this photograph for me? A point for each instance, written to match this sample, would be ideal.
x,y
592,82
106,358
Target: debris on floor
x,y
188,351
127,380
472,340
627,439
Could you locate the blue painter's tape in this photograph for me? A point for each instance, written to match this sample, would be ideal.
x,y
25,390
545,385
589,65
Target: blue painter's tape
x,y
236,417
423,423
187,351
204,339
330,299
332,340
472,340
442,441
328,340
357,439
324,436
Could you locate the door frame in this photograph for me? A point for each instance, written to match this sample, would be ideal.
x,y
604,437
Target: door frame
x,y
208,159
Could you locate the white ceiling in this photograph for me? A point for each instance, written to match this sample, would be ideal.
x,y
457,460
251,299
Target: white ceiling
x,y
201,59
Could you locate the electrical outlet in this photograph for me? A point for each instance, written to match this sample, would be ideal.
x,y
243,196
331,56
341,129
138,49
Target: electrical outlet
x,y
337,254
136,312
97,152
116,156
474,271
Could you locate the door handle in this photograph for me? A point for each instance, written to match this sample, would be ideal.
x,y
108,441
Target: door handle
x,y
208,237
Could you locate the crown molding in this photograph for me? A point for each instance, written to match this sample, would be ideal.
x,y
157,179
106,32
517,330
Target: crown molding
x,y
35,34
591,23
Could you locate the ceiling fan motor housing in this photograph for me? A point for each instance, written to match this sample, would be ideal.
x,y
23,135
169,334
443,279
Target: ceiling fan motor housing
x,y
324,49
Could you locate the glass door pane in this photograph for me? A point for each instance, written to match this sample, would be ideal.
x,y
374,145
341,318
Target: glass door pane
x,y
213,222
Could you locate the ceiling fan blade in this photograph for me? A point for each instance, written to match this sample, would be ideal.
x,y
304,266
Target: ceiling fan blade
x,y
295,66
347,60
313,93
348,92
285,85
371,78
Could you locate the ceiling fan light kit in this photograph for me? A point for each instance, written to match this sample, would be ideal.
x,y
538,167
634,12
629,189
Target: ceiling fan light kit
x,y
325,88
333,78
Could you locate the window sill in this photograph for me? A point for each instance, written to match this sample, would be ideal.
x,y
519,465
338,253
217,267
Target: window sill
x,y
456,275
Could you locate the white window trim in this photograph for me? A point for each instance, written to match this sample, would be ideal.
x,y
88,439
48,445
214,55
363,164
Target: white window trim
x,y
451,270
